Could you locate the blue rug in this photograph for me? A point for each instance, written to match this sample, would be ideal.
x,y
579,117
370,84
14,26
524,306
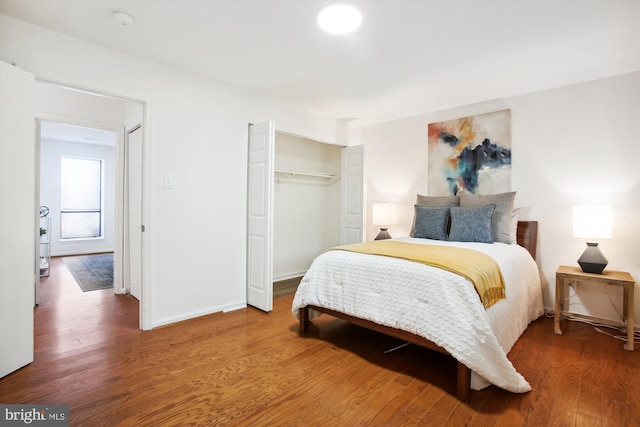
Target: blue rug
x,y
92,272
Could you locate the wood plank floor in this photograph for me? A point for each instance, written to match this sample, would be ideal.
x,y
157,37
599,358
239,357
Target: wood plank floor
x,y
286,287
252,368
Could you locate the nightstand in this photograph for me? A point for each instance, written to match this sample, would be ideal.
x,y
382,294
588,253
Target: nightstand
x,y
609,277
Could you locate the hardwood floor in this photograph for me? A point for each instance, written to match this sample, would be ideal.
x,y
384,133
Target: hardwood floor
x,y
252,368
286,287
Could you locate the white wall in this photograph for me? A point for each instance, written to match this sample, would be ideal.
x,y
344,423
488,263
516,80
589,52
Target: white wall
x,y
51,153
196,131
133,115
306,208
573,145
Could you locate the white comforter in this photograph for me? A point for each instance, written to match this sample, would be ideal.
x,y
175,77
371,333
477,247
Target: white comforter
x,y
433,303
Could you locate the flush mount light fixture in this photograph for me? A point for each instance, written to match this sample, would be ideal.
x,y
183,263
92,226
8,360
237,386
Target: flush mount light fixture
x,y
340,18
122,19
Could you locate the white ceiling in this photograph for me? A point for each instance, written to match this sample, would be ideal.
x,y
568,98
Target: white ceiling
x,y
408,58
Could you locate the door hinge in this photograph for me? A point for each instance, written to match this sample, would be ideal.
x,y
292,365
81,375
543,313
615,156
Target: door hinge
x,y
142,228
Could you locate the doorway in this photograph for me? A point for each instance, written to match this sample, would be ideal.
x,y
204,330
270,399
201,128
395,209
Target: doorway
x,y
77,201
82,119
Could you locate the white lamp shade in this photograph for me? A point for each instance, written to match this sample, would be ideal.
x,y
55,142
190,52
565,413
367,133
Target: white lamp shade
x,y
592,222
384,214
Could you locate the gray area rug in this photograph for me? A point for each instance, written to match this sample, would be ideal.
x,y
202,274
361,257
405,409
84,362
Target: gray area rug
x,y
92,272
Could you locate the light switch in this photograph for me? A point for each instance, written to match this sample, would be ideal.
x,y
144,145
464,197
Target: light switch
x,y
168,182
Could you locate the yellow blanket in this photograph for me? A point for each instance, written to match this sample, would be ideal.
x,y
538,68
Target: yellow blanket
x,y
480,269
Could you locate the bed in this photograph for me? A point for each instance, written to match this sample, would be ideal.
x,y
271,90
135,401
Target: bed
x,y
432,307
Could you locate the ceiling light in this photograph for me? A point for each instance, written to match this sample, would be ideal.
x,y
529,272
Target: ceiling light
x,y
340,18
122,19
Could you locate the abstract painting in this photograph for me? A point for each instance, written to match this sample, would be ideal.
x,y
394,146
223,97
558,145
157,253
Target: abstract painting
x,y
470,154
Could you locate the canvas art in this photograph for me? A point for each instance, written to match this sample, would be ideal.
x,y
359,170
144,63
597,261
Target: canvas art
x,y
470,154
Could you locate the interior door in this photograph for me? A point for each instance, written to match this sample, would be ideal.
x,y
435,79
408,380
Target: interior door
x,y
260,216
134,204
352,189
19,264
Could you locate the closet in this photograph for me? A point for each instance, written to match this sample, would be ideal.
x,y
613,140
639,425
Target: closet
x,y
303,197
306,203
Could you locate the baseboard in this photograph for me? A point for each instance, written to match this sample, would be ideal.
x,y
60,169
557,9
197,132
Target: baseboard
x,y
232,307
615,323
192,315
289,276
74,253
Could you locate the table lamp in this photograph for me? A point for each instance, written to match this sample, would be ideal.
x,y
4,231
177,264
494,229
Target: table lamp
x,y
592,222
384,215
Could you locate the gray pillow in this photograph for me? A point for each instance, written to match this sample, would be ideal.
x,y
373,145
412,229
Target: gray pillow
x,y
513,229
437,201
434,201
501,227
471,224
431,223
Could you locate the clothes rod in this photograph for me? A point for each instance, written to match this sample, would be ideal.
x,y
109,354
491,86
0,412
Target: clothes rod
x,y
316,174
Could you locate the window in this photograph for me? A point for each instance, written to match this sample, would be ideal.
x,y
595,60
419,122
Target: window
x,y
81,204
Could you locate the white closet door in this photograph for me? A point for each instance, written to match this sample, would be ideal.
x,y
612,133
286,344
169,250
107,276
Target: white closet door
x,y
260,216
19,262
352,178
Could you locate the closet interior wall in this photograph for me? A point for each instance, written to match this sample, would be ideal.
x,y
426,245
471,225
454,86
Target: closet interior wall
x,y
306,203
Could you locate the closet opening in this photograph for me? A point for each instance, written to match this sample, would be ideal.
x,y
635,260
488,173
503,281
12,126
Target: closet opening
x,y
306,208
303,197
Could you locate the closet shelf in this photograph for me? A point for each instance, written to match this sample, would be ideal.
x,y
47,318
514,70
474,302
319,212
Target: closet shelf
x,y
315,174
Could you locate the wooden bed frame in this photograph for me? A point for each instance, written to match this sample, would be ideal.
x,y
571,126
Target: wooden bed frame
x,y
527,237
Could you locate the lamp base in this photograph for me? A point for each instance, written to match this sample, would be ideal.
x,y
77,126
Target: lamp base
x,y
383,234
592,260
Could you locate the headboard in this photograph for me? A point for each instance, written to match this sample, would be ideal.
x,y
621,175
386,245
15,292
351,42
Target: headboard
x,y
527,236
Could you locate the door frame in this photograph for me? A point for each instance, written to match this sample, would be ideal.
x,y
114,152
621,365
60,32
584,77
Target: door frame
x,y
145,310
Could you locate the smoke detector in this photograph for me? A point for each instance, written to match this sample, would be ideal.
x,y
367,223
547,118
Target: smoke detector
x,y
122,19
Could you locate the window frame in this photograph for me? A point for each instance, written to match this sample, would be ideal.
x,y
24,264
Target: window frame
x,y
99,211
